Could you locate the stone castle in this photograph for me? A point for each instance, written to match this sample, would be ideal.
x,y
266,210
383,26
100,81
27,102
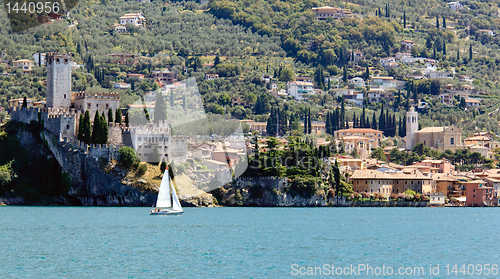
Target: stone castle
x,y
63,108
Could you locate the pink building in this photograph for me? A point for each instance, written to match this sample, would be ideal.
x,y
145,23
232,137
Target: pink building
x,y
443,166
479,194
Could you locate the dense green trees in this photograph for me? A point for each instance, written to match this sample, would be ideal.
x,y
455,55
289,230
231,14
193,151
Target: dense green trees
x,y
127,156
100,129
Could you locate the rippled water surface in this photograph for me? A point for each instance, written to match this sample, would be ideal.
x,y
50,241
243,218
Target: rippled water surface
x,y
92,242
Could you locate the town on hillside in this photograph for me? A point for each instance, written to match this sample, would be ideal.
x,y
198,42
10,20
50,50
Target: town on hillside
x,y
382,92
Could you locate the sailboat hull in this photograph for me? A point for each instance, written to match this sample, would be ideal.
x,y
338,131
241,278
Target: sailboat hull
x,y
166,212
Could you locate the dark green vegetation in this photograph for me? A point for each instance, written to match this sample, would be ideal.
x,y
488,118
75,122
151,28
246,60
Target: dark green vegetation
x,y
21,174
305,165
463,159
128,157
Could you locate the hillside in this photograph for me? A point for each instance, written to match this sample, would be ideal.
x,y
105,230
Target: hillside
x,y
264,37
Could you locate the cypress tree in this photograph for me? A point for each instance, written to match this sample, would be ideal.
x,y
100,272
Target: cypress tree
x,y
354,120
40,58
344,77
444,22
118,116
393,132
103,135
407,101
328,123
305,123
87,127
470,52
386,10
367,73
404,18
25,102
363,117
444,47
342,115
374,122
81,127
110,115
381,119
96,129
379,12
458,54
399,126
309,126
403,132
126,118
437,22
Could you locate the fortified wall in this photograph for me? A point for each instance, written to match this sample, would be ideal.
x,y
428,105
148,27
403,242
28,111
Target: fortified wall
x,y
58,121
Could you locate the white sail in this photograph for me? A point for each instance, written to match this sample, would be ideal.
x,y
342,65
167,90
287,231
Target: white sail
x,y
176,204
164,192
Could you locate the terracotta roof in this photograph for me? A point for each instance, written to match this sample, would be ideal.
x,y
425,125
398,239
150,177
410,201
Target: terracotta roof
x,y
478,138
373,174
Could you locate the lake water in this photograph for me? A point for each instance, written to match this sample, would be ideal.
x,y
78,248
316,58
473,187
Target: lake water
x,y
92,242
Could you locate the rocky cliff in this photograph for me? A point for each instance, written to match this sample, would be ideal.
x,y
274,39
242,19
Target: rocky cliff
x,y
84,179
257,195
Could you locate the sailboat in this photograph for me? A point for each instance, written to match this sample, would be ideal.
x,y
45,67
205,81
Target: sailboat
x,y
167,204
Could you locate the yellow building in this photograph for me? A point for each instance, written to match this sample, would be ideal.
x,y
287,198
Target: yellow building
x,y
374,136
477,140
24,64
440,138
372,181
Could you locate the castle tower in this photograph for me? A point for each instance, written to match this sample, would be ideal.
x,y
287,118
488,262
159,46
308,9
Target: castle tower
x,y
58,80
411,128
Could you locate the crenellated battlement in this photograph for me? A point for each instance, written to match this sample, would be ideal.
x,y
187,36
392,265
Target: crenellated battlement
x,y
96,95
99,150
145,130
58,57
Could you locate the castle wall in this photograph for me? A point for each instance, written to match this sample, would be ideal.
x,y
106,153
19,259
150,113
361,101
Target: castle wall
x,y
93,102
24,115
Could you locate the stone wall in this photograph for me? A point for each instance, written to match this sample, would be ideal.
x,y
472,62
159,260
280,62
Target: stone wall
x,y
24,115
268,182
90,185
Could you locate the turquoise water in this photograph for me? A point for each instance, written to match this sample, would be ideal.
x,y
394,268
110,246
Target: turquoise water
x,y
91,242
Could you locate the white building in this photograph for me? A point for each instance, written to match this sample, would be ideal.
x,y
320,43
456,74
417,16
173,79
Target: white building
x,y
300,89
121,85
136,19
388,82
437,199
439,74
36,55
119,28
388,62
211,76
407,44
358,82
411,128
455,6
